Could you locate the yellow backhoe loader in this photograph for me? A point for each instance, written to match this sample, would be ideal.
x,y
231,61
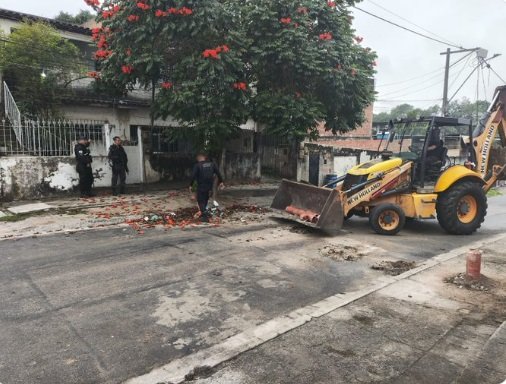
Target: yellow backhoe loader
x,y
443,172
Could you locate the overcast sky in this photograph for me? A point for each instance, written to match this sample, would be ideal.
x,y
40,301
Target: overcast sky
x,y
410,68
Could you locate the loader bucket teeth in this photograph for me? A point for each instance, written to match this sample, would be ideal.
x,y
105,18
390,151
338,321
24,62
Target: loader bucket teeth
x,y
312,206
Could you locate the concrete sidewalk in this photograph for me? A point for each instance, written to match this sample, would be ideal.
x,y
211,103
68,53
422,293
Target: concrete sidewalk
x,y
413,328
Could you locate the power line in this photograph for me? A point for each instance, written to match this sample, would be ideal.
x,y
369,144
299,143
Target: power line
x,y
410,22
411,79
495,73
396,93
412,90
424,75
407,29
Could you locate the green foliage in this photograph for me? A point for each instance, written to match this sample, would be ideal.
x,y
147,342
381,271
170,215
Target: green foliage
x,y
307,66
463,108
406,111
37,63
80,18
468,109
214,63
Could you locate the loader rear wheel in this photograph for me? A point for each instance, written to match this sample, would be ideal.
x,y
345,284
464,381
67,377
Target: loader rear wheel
x,y
387,219
462,209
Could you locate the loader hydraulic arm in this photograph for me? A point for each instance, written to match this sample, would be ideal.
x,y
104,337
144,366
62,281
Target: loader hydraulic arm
x,y
493,123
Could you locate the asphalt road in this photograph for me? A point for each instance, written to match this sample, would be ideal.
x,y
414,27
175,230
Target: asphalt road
x,y
103,306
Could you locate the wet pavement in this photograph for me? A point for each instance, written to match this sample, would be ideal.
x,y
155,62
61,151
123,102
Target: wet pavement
x,y
107,304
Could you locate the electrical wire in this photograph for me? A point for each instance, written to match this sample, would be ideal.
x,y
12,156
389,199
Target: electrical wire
x,y
413,90
410,79
495,73
441,73
410,22
407,29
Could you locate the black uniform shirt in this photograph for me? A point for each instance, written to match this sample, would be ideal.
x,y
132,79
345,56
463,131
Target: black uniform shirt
x,y
203,174
118,156
83,156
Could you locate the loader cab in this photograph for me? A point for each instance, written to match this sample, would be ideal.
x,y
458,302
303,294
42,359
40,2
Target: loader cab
x,y
433,145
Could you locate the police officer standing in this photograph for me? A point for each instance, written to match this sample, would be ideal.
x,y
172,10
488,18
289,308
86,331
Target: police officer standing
x,y
203,173
118,161
84,160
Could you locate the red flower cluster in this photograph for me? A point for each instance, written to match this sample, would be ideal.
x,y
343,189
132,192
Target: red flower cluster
x,y
353,72
94,75
97,33
92,3
285,20
102,42
240,85
298,95
167,85
133,18
303,10
127,69
359,39
331,4
174,11
214,53
109,13
143,6
325,36
128,51
102,54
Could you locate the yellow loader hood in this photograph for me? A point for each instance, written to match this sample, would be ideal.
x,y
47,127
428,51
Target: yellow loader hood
x,y
375,166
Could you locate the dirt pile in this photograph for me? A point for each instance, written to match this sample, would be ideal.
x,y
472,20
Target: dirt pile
x,y
394,268
462,281
341,253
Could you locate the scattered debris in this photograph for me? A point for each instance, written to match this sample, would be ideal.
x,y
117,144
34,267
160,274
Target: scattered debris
x,y
484,284
185,217
394,268
341,253
305,215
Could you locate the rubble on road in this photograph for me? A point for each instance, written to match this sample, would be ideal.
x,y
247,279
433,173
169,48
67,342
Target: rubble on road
x,y
394,268
190,217
461,280
341,253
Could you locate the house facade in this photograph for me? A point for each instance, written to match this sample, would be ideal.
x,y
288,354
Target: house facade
x,y
45,147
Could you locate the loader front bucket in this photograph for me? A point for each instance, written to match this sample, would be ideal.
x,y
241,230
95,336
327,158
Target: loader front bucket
x,y
313,206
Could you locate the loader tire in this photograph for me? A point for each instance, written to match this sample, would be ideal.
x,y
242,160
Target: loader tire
x,y
387,219
462,209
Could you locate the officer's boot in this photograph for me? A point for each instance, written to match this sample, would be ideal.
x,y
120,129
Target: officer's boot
x,y
122,189
114,191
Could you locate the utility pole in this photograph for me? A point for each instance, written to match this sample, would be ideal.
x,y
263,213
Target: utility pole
x,y
448,53
447,75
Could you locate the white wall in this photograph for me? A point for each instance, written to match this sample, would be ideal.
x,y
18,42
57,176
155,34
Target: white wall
x,y
343,164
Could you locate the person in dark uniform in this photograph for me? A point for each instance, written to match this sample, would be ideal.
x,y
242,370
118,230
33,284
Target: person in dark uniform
x,y
84,160
118,160
203,173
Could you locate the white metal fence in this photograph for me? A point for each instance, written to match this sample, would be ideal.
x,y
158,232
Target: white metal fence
x,y
47,138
